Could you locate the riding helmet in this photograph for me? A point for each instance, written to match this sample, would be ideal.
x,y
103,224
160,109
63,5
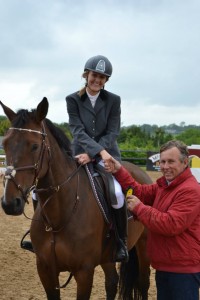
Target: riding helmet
x,y
99,64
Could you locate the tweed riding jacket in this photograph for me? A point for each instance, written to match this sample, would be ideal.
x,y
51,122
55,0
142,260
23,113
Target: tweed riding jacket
x,y
94,129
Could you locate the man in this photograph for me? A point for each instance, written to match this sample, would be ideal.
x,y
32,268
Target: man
x,y
170,209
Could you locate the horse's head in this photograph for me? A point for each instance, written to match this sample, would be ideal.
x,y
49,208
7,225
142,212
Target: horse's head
x,y
25,147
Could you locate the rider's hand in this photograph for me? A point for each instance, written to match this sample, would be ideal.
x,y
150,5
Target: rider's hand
x,y
105,156
83,158
112,165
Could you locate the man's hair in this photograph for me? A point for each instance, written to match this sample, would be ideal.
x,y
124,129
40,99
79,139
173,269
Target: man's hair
x,y
184,153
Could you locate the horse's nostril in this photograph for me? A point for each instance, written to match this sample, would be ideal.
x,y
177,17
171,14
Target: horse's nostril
x,y
18,202
14,207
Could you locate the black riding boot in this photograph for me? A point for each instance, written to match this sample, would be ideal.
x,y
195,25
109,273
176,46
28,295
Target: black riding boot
x,y
27,245
121,223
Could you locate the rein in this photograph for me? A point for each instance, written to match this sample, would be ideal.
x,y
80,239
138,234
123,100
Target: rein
x,y
56,189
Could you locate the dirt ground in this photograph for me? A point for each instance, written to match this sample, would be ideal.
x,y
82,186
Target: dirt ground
x,y
18,275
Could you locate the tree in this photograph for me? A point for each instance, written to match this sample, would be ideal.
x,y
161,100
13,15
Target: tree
x,y
182,124
190,136
4,125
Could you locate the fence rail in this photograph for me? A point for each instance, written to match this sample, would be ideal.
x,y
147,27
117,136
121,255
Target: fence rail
x,y
148,159
141,160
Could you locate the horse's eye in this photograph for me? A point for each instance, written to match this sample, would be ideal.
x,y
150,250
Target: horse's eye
x,y
34,147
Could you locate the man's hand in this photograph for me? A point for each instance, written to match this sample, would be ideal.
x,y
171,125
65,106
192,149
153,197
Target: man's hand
x,y
132,202
112,165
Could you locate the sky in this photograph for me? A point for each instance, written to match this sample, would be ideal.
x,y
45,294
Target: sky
x,y
153,45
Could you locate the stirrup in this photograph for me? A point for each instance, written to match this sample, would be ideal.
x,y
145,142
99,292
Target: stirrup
x,y
26,245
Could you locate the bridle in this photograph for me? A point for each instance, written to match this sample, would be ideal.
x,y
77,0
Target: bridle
x,y
11,170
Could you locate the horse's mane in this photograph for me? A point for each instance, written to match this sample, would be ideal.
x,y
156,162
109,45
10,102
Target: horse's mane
x,y
60,136
24,116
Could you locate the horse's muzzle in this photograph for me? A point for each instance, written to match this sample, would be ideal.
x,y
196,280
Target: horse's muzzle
x,y
14,207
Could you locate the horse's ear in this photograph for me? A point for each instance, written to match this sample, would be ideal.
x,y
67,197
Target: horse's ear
x,y
11,115
42,109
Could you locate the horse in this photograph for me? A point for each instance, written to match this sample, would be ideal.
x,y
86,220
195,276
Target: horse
x,y
69,231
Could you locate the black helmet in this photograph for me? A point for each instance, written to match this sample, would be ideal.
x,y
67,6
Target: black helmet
x,y
99,64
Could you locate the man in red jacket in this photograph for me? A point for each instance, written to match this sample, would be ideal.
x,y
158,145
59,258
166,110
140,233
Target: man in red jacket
x,y
170,209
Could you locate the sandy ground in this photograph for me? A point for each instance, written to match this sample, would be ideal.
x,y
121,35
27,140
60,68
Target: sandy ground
x,y
18,275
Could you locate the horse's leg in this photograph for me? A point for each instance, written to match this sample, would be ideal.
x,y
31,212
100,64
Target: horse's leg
x,y
111,280
49,281
144,265
84,280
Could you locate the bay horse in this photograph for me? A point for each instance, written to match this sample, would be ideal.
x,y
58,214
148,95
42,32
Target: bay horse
x,y
68,229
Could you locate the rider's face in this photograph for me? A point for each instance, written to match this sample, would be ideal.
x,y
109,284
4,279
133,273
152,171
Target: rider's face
x,y
95,82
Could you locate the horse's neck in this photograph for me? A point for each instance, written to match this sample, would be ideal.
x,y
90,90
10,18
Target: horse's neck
x,y
61,166
59,196
59,184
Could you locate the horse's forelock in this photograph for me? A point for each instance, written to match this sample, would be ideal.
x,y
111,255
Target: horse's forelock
x,y
23,117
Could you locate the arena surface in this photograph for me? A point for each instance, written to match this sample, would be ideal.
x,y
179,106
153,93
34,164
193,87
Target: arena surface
x,y
18,275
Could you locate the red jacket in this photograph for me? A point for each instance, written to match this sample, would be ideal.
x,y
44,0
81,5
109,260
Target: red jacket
x,y
172,215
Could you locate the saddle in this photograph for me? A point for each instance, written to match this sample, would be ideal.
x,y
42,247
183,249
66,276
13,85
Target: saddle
x,y
103,189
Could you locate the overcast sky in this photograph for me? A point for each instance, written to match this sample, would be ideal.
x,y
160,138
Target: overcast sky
x,y
154,47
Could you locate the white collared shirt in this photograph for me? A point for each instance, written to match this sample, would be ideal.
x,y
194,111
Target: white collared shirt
x,y
92,98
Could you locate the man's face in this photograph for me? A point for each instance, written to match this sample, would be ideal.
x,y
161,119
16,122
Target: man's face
x,y
170,164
